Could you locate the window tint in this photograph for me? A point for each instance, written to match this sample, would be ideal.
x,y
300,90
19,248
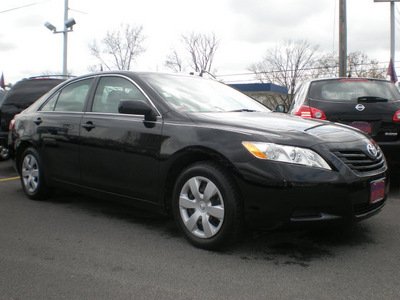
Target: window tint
x,y
111,90
73,96
70,98
351,89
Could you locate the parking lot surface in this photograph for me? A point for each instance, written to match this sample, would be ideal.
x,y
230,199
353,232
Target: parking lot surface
x,y
75,247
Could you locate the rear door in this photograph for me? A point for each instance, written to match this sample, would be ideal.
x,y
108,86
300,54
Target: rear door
x,y
120,152
57,127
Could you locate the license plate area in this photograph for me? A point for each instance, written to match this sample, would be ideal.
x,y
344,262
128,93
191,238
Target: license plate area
x,y
377,190
363,126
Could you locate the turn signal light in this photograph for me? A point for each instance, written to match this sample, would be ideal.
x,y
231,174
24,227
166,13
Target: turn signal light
x,y
396,116
310,112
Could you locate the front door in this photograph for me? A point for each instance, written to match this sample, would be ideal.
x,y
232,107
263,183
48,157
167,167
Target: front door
x,y
119,152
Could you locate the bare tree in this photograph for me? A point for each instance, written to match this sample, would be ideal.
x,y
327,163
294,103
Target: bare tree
x,y
200,49
120,47
358,65
288,65
327,66
174,62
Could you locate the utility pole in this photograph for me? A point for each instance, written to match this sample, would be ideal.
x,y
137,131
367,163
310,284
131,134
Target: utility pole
x,y
342,39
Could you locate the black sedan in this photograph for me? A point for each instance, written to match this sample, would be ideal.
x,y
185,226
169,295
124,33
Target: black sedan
x,y
213,157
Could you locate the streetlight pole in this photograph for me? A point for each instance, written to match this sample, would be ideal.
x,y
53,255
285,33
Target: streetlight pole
x,y
68,23
65,43
392,32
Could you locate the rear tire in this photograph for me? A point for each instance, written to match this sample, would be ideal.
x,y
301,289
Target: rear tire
x,y
32,177
207,206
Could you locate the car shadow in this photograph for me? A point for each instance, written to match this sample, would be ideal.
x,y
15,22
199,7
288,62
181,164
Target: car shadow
x,y
301,245
290,245
97,207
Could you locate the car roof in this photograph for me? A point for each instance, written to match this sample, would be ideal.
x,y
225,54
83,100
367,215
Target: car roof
x,y
347,78
30,89
132,74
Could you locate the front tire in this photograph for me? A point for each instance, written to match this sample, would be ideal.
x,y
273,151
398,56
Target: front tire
x,y
32,178
207,206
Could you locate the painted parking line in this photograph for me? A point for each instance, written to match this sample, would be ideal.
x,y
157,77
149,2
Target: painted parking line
x,y
11,178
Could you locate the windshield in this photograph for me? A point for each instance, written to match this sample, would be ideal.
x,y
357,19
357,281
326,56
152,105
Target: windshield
x,y
196,94
352,89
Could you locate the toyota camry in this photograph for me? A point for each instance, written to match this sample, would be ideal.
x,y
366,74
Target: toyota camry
x,y
197,149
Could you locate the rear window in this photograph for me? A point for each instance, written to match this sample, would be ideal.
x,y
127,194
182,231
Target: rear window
x,y
352,89
28,91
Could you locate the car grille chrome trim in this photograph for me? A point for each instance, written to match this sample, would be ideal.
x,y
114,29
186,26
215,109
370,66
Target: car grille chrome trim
x,y
360,162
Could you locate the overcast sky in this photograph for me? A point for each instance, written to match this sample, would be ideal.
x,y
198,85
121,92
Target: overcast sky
x,y
247,28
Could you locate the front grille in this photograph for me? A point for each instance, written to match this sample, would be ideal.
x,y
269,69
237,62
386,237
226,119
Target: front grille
x,y
360,162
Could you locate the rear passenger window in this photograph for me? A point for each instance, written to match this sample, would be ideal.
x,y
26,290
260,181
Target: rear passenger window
x,y
111,90
70,98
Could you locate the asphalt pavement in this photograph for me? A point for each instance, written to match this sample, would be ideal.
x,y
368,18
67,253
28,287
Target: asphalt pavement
x,y
75,247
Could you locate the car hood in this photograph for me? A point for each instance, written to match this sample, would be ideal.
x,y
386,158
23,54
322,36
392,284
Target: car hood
x,y
279,127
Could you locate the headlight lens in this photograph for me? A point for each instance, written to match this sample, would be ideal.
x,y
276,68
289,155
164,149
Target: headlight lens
x,y
289,154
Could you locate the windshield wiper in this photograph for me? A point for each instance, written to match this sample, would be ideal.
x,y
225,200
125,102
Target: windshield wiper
x,y
371,99
243,110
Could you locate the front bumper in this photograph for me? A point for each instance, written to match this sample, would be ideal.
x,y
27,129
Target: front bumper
x,y
307,195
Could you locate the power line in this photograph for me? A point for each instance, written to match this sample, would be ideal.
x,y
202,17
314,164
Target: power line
x,y
15,8
398,12
280,71
75,10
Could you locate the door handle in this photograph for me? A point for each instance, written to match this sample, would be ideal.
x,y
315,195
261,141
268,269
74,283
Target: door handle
x,y
38,121
88,125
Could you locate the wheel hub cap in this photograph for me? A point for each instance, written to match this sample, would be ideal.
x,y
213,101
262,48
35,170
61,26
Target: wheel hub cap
x,y
201,207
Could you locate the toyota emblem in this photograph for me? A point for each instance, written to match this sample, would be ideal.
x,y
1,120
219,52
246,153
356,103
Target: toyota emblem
x,y
360,107
372,150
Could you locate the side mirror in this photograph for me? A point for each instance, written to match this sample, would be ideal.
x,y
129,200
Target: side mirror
x,y
280,108
136,107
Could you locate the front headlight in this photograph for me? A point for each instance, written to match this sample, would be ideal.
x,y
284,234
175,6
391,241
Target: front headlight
x,y
289,154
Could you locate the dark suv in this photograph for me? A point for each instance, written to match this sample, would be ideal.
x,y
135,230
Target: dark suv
x,y
18,98
371,105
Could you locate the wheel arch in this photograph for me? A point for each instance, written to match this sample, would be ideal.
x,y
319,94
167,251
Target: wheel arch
x,y
184,159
